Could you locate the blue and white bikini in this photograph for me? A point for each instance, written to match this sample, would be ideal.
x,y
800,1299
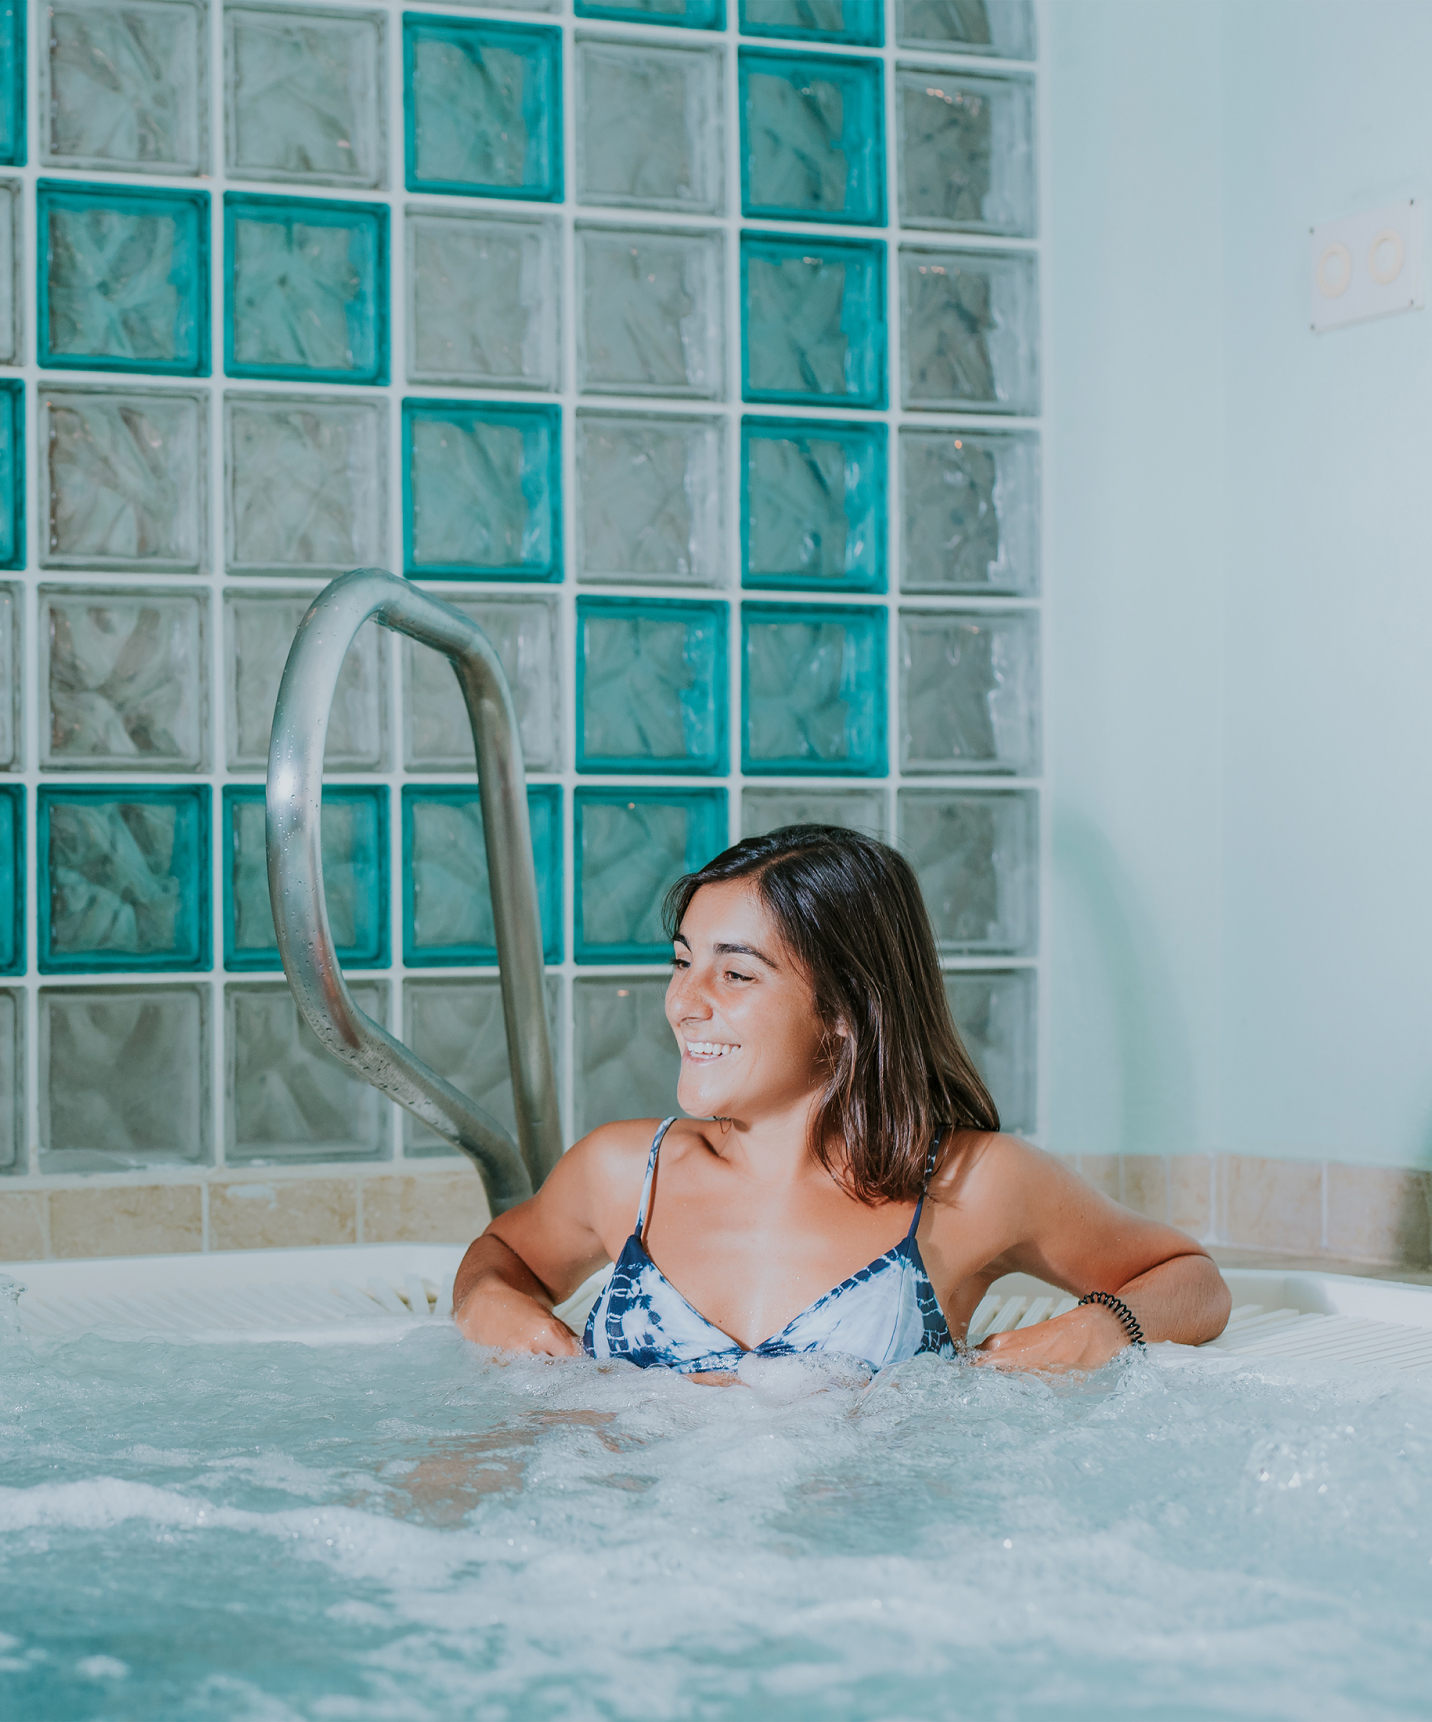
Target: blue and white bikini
x,y
883,1314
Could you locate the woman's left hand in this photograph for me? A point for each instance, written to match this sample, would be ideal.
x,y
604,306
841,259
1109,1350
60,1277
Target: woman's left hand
x,y
1082,1338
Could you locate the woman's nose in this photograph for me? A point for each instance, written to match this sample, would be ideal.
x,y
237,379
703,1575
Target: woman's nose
x,y
686,1000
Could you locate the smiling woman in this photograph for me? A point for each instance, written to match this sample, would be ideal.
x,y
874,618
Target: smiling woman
x,y
842,1184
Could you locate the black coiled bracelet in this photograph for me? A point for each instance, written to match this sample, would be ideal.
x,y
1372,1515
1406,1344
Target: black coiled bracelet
x,y
1127,1319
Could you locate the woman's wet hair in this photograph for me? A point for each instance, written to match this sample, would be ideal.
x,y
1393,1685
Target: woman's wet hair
x,y
849,911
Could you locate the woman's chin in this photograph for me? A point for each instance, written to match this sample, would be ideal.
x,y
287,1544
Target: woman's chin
x,y
699,1097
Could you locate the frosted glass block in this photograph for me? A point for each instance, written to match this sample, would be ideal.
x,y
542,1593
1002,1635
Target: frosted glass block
x,y
969,512
306,289
354,831
649,126
859,21
12,1082
813,692
123,878
682,14
650,499
482,301
124,1077
123,279
625,1053
9,271
764,810
259,628
126,679
286,1097
970,331
966,152
482,496
995,1014
456,1027
12,475
969,691
651,686
437,735
811,137
813,320
976,854
124,480
483,108
10,706
306,480
304,95
813,505
650,321
121,85
1000,27
631,846
12,83
12,879
447,894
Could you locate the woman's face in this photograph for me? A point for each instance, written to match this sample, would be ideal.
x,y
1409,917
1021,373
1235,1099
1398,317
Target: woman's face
x,y
742,1012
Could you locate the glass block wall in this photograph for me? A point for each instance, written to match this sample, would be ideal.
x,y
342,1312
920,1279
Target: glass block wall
x,y
692,350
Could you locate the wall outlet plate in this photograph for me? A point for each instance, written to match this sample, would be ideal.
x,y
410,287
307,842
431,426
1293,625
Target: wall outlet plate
x,y
1366,266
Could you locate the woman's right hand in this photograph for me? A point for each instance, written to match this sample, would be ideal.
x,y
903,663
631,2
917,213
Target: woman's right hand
x,y
498,1301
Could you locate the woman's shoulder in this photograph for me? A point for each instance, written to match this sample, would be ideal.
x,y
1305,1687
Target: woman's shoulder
x,y
985,1165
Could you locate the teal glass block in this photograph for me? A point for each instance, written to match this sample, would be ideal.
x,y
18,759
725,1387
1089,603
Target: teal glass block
x,y
12,879
355,877
813,321
676,14
812,132
965,145
123,878
11,215
482,491
813,692
12,1080
976,855
859,22
123,279
969,331
1002,28
631,846
483,108
994,1010
12,83
813,505
651,686
305,289
447,894
12,475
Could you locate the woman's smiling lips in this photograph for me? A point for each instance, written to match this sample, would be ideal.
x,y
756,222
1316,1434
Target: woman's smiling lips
x,y
707,1051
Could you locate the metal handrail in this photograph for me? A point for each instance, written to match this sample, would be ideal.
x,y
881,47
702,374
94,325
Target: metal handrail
x,y
510,1171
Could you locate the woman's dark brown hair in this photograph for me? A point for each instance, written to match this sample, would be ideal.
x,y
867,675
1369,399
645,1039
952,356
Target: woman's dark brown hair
x,y
850,912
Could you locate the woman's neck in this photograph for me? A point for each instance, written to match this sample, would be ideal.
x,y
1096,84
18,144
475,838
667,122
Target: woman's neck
x,y
772,1149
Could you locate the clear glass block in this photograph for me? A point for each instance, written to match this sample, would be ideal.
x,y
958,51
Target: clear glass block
x,y
482,301
286,1097
11,597
994,1010
121,86
259,628
965,145
124,480
969,691
123,878
12,83
813,692
482,491
124,279
764,810
970,331
856,21
437,735
12,1082
679,14
650,500
624,1051
306,480
650,318
12,878
304,95
631,846
306,294
813,505
651,686
969,516
10,290
976,853
811,137
447,895
483,108
354,835
1004,28
813,320
649,126
456,1027
124,1077
125,674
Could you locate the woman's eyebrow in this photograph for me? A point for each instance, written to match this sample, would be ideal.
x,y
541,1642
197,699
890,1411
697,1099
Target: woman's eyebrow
x,y
744,951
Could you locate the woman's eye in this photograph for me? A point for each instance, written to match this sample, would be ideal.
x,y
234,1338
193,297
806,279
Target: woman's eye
x,y
731,975
681,962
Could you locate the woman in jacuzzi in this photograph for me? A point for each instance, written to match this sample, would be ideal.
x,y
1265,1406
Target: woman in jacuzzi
x,y
841,1184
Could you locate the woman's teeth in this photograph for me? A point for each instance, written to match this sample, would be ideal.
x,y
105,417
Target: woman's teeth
x,y
709,1048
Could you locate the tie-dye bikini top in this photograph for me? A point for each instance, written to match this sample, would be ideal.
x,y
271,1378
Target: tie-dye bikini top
x,y
884,1313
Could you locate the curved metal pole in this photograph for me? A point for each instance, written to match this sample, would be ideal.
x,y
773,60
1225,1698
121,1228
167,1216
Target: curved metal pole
x,y
300,912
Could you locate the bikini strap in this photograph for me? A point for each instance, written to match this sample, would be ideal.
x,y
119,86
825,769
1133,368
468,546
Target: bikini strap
x,y
930,1160
661,1131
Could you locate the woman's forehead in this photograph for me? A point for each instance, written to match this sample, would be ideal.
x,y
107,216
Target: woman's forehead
x,y
728,911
